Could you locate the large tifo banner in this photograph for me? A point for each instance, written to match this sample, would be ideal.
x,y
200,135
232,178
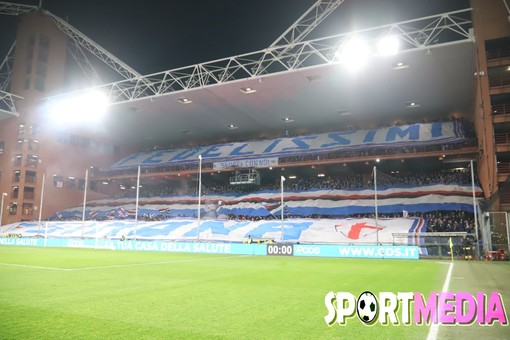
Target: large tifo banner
x,y
338,231
323,202
406,135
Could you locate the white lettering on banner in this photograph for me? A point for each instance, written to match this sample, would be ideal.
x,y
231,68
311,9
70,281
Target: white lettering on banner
x,y
426,133
309,250
146,246
176,247
76,243
211,248
18,242
7,241
377,252
247,163
120,245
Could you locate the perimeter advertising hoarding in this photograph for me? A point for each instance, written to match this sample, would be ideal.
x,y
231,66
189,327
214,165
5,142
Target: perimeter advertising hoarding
x,y
365,251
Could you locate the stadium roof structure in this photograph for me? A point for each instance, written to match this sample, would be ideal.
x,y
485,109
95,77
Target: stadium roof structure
x,y
427,85
299,86
302,87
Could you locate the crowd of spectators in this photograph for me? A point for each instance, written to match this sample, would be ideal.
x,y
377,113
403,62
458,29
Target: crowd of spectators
x,y
437,221
449,221
356,181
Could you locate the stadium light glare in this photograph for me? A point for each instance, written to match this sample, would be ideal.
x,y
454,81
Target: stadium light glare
x,y
88,107
388,45
354,54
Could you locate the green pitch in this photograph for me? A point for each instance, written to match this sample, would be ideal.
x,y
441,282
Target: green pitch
x,y
54,293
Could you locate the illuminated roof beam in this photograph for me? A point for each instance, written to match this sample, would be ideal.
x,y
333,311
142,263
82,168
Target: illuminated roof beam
x,y
429,32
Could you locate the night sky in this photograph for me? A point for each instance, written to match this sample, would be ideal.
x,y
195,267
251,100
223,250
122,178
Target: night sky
x,y
152,36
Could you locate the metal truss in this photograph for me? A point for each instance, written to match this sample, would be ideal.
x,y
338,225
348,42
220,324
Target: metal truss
x,y
83,62
94,48
6,68
8,8
307,22
78,38
423,33
7,103
78,41
302,27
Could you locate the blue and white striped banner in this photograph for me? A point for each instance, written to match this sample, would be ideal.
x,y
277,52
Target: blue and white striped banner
x,y
406,135
325,202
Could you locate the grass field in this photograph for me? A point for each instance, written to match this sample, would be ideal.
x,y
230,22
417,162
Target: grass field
x,y
50,293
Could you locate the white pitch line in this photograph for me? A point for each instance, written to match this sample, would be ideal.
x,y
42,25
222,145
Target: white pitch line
x,y
120,265
150,263
33,267
434,328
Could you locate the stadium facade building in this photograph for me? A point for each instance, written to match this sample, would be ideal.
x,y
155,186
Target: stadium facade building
x,y
31,144
36,151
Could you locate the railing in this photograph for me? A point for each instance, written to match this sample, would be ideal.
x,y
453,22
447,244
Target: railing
x,y
503,168
504,196
499,81
498,53
502,138
501,109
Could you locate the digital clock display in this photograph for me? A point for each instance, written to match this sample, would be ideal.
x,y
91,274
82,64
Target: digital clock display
x,y
280,249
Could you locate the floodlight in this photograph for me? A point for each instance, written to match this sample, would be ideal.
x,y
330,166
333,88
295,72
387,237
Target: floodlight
x,y
81,108
94,103
354,54
388,45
